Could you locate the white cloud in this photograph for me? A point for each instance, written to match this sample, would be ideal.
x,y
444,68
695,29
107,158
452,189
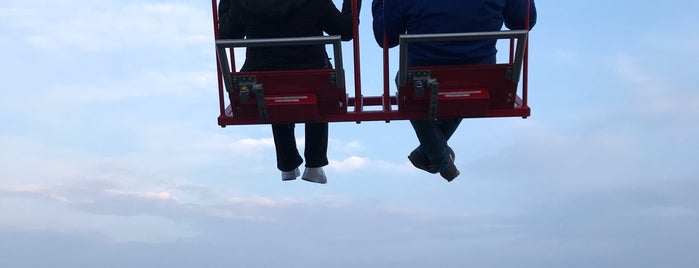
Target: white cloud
x,y
602,177
260,201
249,146
350,163
345,147
95,26
143,195
147,84
655,95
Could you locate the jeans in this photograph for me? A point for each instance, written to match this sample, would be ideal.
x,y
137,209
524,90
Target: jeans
x,y
288,157
433,136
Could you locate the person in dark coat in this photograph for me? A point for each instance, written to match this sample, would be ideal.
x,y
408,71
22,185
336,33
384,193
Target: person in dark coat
x,y
445,16
254,19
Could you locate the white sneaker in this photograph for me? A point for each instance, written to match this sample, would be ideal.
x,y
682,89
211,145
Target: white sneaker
x,y
316,175
290,175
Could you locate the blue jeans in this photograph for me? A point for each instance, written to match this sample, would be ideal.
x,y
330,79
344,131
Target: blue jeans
x,y
433,136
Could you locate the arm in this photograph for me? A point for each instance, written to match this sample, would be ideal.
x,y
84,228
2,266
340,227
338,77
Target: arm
x,y
515,14
392,18
335,22
229,23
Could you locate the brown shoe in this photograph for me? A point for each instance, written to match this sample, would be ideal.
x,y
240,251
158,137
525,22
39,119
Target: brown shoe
x,y
419,160
451,172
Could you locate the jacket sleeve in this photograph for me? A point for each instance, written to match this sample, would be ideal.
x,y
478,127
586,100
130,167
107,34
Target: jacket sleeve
x,y
515,14
229,23
392,18
336,22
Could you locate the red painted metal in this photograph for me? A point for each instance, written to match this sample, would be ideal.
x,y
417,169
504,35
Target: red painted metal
x,y
355,46
386,79
464,91
219,76
289,95
473,91
525,63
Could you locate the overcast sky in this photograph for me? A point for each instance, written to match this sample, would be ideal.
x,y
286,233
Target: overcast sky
x,y
110,155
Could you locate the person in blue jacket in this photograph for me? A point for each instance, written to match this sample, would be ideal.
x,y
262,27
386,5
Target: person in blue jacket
x,y
396,17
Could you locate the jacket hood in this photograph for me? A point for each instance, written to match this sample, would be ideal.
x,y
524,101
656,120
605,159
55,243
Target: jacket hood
x,y
271,9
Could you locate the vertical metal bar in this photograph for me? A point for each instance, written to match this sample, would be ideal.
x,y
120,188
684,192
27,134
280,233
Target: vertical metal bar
x,y
221,103
223,63
232,60
519,56
525,80
339,64
403,62
512,50
358,98
386,83
386,79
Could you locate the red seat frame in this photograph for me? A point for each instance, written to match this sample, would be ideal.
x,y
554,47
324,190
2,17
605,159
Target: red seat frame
x,y
470,91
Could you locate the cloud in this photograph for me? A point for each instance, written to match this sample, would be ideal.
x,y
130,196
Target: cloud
x,y
149,84
98,26
350,163
143,195
249,146
135,166
260,201
651,93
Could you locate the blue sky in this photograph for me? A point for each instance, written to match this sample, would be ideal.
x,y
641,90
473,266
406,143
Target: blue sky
x,y
110,155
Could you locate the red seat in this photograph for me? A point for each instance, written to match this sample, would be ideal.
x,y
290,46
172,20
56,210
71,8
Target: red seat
x,y
463,91
289,96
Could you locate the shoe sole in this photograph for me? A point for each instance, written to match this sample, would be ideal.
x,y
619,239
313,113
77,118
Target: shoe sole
x,y
314,181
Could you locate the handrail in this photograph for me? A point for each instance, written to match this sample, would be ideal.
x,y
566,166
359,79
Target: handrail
x,y
405,39
222,44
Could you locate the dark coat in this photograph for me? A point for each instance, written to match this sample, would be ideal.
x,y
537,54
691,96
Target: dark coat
x,y
284,18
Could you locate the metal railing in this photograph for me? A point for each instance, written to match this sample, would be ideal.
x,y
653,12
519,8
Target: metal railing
x,y
520,35
335,41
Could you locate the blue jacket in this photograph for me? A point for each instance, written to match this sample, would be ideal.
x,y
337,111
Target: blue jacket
x,y
448,16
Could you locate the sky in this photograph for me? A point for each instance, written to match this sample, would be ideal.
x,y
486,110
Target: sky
x,y
110,155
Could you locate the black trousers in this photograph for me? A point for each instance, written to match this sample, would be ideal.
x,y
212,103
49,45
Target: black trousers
x,y
288,157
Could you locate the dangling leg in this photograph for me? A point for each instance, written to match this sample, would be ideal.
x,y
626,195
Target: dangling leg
x,y
449,126
433,143
288,157
419,158
316,152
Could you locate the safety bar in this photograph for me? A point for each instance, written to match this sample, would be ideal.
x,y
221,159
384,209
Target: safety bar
x,y
222,44
405,39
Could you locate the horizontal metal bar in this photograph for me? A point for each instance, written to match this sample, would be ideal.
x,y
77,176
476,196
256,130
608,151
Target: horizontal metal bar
x,y
365,116
273,42
463,36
